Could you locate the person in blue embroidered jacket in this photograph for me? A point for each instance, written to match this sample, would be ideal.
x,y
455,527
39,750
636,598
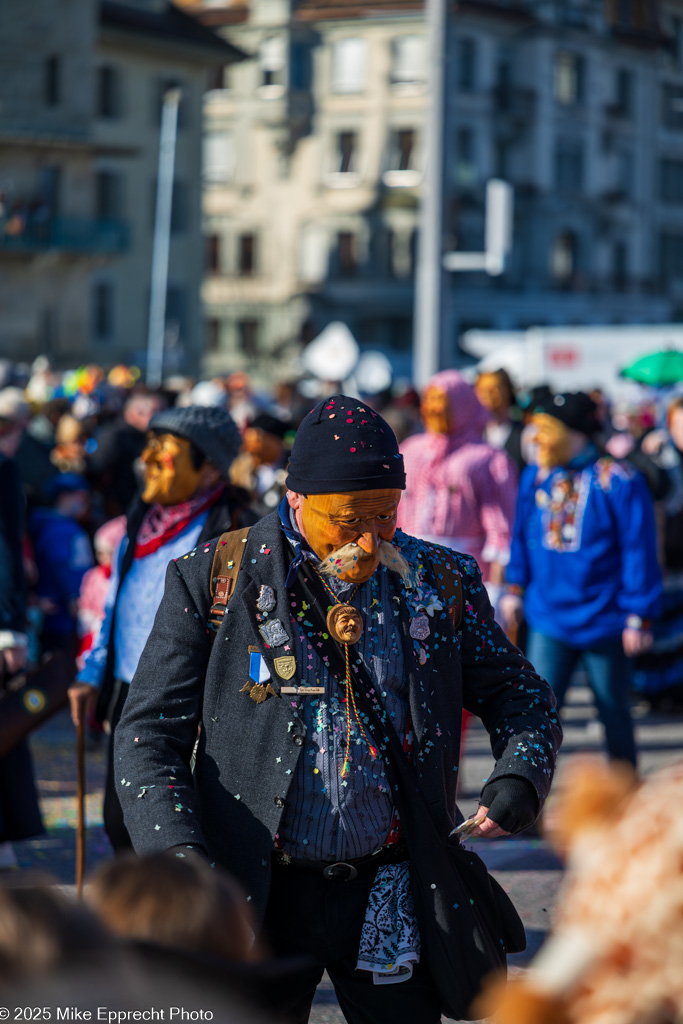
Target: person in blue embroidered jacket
x,y
288,788
583,566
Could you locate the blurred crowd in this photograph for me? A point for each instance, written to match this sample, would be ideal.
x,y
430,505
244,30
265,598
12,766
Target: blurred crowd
x,y
102,481
77,440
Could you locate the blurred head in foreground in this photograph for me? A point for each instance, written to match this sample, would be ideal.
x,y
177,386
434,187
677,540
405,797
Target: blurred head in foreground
x,y
174,901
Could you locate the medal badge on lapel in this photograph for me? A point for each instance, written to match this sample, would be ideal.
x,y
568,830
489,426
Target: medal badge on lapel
x,y
266,599
419,627
273,633
257,690
285,666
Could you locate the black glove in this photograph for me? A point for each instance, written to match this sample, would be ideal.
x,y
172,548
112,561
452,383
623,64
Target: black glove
x,y
512,802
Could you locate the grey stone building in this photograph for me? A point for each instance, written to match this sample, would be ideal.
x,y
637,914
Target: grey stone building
x,y
314,159
80,96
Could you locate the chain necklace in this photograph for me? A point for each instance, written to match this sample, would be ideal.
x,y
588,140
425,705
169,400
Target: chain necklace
x,y
345,635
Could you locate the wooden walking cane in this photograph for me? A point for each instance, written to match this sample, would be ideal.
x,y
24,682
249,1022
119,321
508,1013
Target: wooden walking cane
x,y
80,802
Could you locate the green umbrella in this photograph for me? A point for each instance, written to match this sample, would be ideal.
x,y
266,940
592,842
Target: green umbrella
x,y
657,369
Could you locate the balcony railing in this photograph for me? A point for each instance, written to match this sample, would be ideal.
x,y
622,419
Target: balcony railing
x,y
69,234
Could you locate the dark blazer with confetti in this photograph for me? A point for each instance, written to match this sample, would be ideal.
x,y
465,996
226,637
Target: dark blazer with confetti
x,y
247,751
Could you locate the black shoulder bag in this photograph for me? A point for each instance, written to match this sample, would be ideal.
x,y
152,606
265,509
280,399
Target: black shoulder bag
x,y
468,924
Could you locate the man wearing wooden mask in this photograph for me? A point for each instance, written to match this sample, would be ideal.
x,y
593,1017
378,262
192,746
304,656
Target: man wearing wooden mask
x,y
290,790
583,566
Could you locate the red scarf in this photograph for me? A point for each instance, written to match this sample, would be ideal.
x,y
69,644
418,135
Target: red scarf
x,y
162,523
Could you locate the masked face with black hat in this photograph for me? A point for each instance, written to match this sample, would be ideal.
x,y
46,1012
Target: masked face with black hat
x,y
563,425
188,451
344,484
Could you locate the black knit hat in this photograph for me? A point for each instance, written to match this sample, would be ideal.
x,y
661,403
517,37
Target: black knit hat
x,y
271,424
344,445
211,429
573,408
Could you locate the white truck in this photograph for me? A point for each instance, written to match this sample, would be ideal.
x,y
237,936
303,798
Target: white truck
x,y
570,358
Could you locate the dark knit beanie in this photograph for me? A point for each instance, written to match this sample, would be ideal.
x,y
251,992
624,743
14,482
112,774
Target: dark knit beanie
x,y
270,424
344,445
573,408
211,429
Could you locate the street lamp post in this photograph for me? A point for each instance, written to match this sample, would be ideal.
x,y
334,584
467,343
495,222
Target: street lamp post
x,y
162,235
428,317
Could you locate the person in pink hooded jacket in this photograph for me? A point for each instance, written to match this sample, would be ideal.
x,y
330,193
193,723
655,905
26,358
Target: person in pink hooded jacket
x,y
461,491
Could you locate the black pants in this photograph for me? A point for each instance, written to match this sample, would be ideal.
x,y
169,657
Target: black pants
x,y
308,915
112,813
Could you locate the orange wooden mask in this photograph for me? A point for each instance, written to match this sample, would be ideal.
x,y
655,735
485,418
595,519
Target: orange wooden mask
x,y
170,474
328,521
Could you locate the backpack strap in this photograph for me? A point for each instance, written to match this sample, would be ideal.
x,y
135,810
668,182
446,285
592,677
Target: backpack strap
x,y
226,565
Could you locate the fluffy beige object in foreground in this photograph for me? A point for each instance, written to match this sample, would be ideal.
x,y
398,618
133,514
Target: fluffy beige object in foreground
x,y
615,955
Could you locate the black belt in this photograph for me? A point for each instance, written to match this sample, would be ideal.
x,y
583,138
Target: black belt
x,y
345,870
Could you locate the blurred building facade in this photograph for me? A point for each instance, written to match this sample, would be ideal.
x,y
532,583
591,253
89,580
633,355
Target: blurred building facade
x,y
80,100
314,158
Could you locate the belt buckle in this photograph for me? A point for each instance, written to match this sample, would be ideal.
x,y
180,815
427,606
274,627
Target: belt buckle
x,y
331,874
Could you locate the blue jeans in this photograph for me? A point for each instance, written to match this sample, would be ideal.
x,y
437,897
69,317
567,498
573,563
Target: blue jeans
x,y
608,671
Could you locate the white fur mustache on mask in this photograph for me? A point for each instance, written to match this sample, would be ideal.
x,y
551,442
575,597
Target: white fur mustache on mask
x,y
346,557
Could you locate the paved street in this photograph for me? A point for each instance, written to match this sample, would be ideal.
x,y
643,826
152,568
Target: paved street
x,y
526,867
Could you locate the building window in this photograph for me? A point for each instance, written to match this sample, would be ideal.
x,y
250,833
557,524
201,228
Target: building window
x,y
569,166
625,13
213,254
671,256
677,33
401,158
108,195
346,250
625,173
176,312
108,95
213,335
103,311
408,60
217,79
218,158
620,265
401,333
299,66
502,154
346,159
248,334
466,68
672,106
671,181
246,257
564,257
272,62
52,81
624,98
465,158
179,207
402,149
568,78
348,65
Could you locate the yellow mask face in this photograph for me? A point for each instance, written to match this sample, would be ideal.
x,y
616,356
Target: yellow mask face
x,y
435,411
553,440
170,475
490,393
363,517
